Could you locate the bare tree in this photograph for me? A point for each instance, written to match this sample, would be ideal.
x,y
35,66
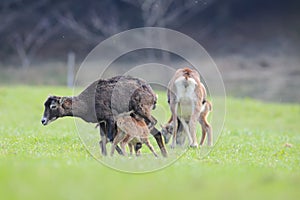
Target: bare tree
x,y
30,34
28,43
97,27
168,12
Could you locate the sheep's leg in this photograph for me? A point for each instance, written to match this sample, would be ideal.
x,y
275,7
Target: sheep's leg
x,y
192,127
138,152
186,130
130,145
175,124
147,142
158,137
119,150
110,129
152,123
181,136
137,148
103,140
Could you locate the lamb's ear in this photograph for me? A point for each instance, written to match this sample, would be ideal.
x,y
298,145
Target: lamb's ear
x,y
66,102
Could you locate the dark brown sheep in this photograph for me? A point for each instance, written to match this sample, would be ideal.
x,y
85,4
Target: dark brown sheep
x,y
102,100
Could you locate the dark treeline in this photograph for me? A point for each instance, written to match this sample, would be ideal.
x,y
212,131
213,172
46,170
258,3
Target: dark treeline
x,y
48,29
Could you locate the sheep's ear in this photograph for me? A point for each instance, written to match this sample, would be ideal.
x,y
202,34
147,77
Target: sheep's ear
x,y
65,102
137,98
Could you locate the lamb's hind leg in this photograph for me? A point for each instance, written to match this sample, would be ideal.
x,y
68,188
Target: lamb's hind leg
x,y
206,130
203,133
126,139
206,127
119,137
149,145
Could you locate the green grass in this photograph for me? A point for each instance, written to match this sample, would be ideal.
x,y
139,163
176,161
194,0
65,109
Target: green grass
x,y
256,157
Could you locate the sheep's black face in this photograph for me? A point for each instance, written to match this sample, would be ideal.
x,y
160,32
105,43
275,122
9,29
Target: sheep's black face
x,y
52,110
167,132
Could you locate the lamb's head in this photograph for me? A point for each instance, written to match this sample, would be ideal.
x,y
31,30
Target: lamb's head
x,y
56,107
167,131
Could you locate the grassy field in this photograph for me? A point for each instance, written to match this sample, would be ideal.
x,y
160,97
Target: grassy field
x,y
256,157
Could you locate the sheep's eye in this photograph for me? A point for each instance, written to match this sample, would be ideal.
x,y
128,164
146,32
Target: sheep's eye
x,y
53,107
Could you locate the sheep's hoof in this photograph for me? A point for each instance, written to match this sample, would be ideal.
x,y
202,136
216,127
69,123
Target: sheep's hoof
x,y
194,145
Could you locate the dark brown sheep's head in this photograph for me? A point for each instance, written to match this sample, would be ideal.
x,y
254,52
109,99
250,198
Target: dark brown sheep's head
x,y
55,107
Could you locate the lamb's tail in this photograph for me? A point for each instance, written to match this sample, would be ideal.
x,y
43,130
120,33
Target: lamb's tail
x,y
125,114
208,105
187,73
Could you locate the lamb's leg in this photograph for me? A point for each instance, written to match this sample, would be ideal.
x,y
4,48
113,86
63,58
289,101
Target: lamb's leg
x,y
126,139
130,148
206,127
203,133
147,142
119,137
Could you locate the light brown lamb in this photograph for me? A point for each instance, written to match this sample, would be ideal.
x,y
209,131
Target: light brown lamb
x,y
131,130
186,95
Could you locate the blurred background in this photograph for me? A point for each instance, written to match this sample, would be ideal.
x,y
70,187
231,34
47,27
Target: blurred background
x,y
254,43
